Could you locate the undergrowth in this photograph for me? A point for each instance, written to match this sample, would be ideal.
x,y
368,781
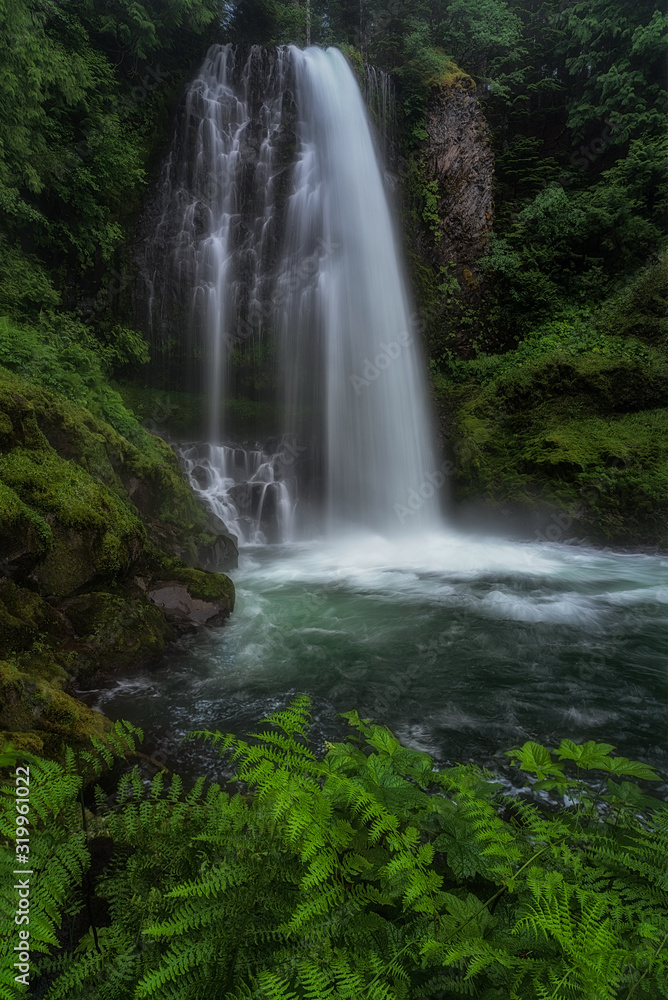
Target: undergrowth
x,y
365,874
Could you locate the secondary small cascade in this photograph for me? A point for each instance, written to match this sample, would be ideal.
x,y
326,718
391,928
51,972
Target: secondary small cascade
x,y
272,241
249,489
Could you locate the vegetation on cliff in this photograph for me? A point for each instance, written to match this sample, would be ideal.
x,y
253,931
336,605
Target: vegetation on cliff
x,y
573,421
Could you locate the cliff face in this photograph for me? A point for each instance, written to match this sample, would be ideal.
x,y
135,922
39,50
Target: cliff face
x,y
459,158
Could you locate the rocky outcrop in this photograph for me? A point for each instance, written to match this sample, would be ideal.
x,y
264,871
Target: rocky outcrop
x,y
459,158
105,556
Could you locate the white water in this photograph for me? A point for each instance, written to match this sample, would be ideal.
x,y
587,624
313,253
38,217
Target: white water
x,y
246,489
462,645
278,235
369,374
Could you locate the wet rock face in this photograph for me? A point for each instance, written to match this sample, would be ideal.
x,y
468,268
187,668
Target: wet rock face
x,y
460,159
259,502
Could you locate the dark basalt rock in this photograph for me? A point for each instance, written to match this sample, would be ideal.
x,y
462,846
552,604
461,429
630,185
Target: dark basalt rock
x,y
460,159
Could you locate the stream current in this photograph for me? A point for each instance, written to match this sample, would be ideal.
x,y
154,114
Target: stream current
x,y
463,646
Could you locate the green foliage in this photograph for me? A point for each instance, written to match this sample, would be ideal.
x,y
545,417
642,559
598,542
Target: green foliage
x,y
365,874
641,309
482,35
624,45
574,417
74,134
57,841
62,355
25,288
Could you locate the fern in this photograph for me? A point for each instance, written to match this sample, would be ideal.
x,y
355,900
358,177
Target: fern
x,y
365,874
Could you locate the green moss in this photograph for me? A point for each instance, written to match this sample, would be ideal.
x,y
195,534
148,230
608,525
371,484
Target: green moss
x,y
117,630
86,490
26,620
580,428
50,484
145,468
6,425
94,533
68,717
202,585
78,503
641,309
23,743
18,519
37,708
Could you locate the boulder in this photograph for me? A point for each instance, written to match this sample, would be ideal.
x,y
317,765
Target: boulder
x,y
192,598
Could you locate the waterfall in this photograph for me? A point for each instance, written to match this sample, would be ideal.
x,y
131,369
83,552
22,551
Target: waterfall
x,y
272,247
379,97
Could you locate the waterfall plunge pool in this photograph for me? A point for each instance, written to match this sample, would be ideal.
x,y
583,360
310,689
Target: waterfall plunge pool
x,y
462,645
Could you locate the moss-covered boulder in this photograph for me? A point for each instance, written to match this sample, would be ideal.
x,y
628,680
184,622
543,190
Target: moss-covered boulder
x,y
40,716
27,621
92,533
190,598
46,437
115,631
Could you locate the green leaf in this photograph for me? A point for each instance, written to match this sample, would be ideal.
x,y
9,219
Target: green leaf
x,y
587,755
621,765
537,759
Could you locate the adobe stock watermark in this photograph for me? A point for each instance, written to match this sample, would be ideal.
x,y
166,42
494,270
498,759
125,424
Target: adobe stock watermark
x,y
386,356
417,497
289,452
22,886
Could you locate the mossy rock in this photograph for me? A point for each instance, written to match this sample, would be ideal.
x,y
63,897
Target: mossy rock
x,y
144,475
25,535
116,631
78,499
23,743
83,510
206,586
584,436
37,707
190,597
26,619
590,382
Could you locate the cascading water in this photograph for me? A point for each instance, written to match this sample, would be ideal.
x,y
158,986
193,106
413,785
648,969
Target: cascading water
x,y
368,369
274,239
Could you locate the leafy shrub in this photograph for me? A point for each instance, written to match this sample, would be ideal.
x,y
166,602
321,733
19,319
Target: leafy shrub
x,y
62,355
367,874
